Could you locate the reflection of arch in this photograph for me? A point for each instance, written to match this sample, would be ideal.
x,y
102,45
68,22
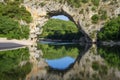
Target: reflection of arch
x,y
81,69
41,70
86,48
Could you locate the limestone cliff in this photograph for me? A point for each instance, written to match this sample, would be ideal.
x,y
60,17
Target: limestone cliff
x,y
42,10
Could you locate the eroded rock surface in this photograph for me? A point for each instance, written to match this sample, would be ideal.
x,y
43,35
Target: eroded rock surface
x,y
42,10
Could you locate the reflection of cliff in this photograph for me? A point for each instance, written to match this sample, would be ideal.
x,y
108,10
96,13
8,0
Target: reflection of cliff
x,y
38,71
88,66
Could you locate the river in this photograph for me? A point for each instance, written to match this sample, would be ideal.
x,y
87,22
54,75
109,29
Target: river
x,y
62,61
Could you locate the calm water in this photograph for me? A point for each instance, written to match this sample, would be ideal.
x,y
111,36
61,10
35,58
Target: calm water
x,y
61,61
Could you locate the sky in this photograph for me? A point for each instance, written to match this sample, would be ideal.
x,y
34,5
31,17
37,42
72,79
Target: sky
x,y
62,17
61,63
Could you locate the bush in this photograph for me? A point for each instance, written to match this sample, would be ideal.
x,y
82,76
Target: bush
x,y
12,29
85,1
99,67
111,30
103,14
96,2
93,8
95,18
10,14
12,10
96,65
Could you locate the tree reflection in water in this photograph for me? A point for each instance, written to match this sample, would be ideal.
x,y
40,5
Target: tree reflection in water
x,y
91,63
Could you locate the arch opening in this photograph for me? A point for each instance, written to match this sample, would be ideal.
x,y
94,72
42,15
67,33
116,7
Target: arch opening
x,y
61,28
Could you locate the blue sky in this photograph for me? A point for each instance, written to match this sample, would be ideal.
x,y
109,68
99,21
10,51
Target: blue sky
x,y
62,17
61,63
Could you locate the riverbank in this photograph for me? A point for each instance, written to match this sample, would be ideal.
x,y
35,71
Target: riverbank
x,y
109,43
20,42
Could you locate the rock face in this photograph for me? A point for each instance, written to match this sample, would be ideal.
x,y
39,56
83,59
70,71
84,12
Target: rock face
x,y
42,10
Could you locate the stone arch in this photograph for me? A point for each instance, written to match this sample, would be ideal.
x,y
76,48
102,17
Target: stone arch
x,y
69,12
81,16
41,14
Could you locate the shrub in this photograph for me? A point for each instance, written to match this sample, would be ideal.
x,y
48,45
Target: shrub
x,y
12,29
95,18
96,65
12,10
111,30
96,2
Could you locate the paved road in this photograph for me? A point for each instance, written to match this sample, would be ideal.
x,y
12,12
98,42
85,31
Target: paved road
x,y
9,46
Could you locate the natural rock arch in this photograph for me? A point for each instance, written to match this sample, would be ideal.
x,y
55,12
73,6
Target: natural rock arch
x,y
41,10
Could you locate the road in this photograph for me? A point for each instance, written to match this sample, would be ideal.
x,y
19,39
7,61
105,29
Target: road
x,y
9,45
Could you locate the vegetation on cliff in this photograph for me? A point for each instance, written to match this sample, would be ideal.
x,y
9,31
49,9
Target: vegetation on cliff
x,y
110,31
60,30
10,68
11,13
12,9
102,69
77,3
95,18
12,29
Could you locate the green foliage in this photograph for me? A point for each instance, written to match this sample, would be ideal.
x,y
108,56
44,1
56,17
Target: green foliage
x,y
12,10
54,51
111,30
103,14
10,14
74,3
12,29
111,55
9,64
84,1
81,11
94,8
59,29
95,65
42,4
95,2
15,1
95,18
99,67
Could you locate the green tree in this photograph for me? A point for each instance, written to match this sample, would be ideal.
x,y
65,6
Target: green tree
x,y
111,30
12,29
60,29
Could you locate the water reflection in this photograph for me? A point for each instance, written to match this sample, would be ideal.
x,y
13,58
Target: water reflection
x,y
14,64
61,55
111,54
61,62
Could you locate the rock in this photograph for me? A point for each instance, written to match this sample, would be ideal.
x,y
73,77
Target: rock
x,y
41,10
